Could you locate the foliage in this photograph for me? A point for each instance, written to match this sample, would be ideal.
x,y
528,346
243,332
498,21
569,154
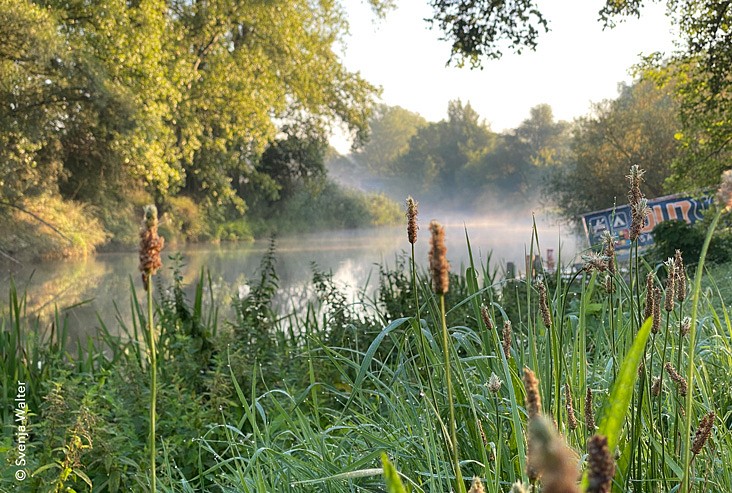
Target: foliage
x,y
671,235
636,128
103,97
321,205
480,28
391,128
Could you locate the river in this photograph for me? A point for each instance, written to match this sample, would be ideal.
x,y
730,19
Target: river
x,y
98,287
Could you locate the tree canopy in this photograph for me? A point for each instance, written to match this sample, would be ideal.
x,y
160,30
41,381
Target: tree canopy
x,y
171,94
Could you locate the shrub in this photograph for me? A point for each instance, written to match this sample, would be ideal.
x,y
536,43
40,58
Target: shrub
x,y
689,238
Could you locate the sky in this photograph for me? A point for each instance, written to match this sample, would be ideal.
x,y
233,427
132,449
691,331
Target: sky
x,y
577,63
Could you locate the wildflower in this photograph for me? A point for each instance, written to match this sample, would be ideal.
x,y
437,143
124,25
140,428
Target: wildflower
x,y
518,487
589,415
494,383
150,245
635,177
533,399
439,267
507,339
680,277
571,419
477,486
543,305
412,220
678,379
724,194
702,433
552,458
685,326
595,261
486,317
609,284
638,214
601,466
670,284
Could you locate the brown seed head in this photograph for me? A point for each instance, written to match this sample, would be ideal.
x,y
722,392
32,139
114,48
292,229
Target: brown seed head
x,y
656,386
477,486
507,339
533,399
638,213
486,317
439,267
609,284
609,251
656,324
549,454
648,312
412,220
724,194
680,277
678,379
600,465
571,418
543,305
670,284
589,415
150,245
634,179
702,433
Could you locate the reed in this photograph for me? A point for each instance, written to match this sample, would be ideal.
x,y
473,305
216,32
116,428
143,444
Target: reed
x,y
150,246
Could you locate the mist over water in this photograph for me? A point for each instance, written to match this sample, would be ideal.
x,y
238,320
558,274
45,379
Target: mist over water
x,y
97,286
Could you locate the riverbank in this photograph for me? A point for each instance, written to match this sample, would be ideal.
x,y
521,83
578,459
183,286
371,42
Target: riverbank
x,y
47,227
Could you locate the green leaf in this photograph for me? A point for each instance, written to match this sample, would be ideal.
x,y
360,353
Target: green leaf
x,y
611,423
393,482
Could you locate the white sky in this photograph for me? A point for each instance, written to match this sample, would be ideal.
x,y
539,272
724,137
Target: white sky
x,y
575,64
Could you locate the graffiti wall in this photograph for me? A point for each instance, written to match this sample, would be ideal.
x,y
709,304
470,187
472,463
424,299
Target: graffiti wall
x,y
617,219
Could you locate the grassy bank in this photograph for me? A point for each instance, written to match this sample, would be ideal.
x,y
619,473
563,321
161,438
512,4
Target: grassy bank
x,y
47,227
309,401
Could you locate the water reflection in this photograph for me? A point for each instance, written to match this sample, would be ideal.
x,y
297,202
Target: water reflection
x,y
93,289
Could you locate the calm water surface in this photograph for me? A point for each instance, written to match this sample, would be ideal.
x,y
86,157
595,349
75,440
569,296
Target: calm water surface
x,y
98,288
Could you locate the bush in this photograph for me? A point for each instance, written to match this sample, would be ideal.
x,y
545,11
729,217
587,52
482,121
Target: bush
x,y
689,238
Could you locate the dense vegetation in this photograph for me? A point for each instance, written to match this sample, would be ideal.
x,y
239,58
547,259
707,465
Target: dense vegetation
x,y
309,401
203,108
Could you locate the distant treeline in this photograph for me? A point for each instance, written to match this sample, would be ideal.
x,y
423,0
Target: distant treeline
x,y
568,168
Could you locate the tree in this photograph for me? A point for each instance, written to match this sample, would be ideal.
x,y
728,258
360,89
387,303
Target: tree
x,y
484,28
391,128
100,96
440,152
636,128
